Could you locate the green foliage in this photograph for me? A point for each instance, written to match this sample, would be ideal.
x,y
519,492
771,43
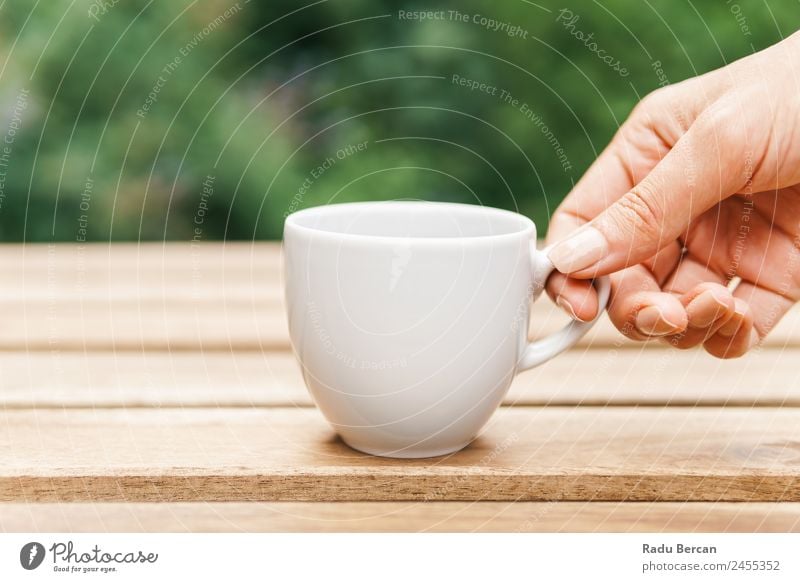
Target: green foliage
x,y
123,110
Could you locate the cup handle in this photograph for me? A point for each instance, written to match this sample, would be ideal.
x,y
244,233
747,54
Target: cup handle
x,y
541,350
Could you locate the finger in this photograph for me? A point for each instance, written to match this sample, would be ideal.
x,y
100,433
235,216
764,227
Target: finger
x,y
708,307
577,297
637,147
767,306
694,176
632,153
704,293
640,310
736,336
691,271
664,263
606,180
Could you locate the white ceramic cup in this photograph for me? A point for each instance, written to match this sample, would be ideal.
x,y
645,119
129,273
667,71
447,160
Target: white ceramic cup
x,y
410,319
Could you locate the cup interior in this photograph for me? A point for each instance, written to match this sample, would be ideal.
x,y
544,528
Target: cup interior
x,y
411,219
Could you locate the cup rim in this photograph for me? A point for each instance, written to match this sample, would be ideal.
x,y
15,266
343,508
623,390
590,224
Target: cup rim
x,y
292,222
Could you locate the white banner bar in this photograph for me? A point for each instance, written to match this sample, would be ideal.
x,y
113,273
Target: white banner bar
x,y
401,557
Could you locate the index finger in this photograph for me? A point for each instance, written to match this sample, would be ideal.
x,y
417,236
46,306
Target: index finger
x,y
633,152
605,181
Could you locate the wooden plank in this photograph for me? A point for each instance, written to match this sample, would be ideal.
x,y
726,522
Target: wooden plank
x,y
64,259
182,296
525,454
177,325
147,272
767,377
487,516
150,379
240,320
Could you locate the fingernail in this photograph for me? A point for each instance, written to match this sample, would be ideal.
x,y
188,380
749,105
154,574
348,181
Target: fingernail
x,y
754,338
583,249
563,304
650,321
731,327
705,309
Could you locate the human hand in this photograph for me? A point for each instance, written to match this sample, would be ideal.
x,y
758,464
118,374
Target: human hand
x,y
699,188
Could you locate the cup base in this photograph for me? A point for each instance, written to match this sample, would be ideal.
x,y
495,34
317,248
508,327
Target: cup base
x,y
410,453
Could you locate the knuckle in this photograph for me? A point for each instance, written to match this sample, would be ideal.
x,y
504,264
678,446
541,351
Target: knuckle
x,y
638,215
649,108
721,126
660,110
654,101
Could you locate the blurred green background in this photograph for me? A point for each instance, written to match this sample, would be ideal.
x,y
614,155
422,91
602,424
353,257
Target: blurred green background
x,y
212,119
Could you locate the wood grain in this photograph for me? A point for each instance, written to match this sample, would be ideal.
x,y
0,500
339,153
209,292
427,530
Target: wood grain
x,y
525,454
185,322
151,387
450,516
181,296
41,262
248,379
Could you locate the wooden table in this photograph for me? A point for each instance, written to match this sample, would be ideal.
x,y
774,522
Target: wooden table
x,y
152,388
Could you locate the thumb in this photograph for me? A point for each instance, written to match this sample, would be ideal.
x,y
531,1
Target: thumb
x,y
697,173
